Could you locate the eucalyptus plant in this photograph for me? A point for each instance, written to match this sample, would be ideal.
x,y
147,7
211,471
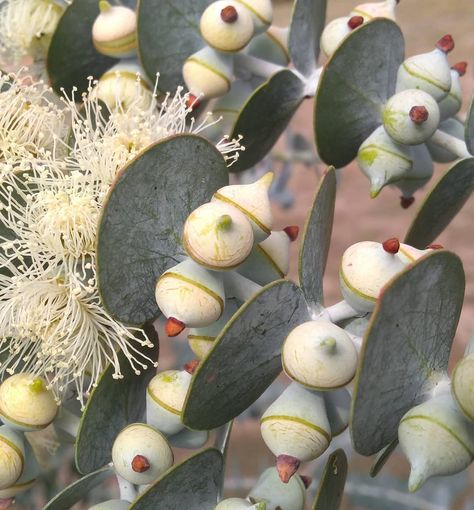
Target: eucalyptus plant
x,y
117,210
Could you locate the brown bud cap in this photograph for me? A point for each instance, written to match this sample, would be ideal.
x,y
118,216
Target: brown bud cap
x,y
306,480
419,114
292,232
173,327
446,43
355,21
287,466
192,102
435,247
229,14
406,202
191,366
460,68
140,464
391,245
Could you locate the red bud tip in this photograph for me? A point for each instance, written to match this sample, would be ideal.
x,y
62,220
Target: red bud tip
x,y
460,68
286,466
173,327
192,102
6,503
229,14
419,114
292,232
140,464
435,247
446,43
355,21
405,202
191,366
391,245
306,480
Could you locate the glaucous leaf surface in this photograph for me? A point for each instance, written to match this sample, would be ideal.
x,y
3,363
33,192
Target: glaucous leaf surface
x,y
139,234
406,348
355,83
316,239
470,128
265,116
442,204
382,457
245,358
113,404
331,487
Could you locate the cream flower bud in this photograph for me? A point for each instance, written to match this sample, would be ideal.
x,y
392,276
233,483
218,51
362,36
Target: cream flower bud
x,y
29,475
191,294
319,355
409,254
261,12
271,46
25,403
463,385
365,268
114,31
437,439
296,426
252,199
165,397
218,236
12,456
439,154
336,31
383,160
209,73
141,454
452,103
226,25
112,504
239,504
429,72
411,117
384,9
419,175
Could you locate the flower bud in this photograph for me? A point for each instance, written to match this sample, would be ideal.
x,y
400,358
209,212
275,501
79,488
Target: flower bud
x,y
383,160
25,403
271,46
437,439
261,12
252,199
452,103
29,475
226,25
141,454
365,268
411,117
319,355
165,399
112,504
239,504
440,154
191,294
369,11
276,494
209,73
189,439
114,31
12,456
420,174
429,72
218,236
336,31
296,428
463,384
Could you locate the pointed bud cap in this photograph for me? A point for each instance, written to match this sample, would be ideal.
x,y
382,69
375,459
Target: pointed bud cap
x,y
460,68
435,246
192,102
419,114
229,14
173,327
406,202
391,245
446,44
191,366
355,21
292,232
287,466
140,464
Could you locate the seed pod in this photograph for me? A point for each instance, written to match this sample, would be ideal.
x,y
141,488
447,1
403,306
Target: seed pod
x,y
338,405
165,399
209,73
191,294
112,504
124,84
189,439
12,456
420,174
439,154
25,403
269,260
369,11
226,25
429,72
276,494
319,355
452,103
239,504
463,385
295,428
28,476
201,340
252,199
411,117
383,160
114,31
365,268
141,454
271,46
218,236
261,12
336,31
437,439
